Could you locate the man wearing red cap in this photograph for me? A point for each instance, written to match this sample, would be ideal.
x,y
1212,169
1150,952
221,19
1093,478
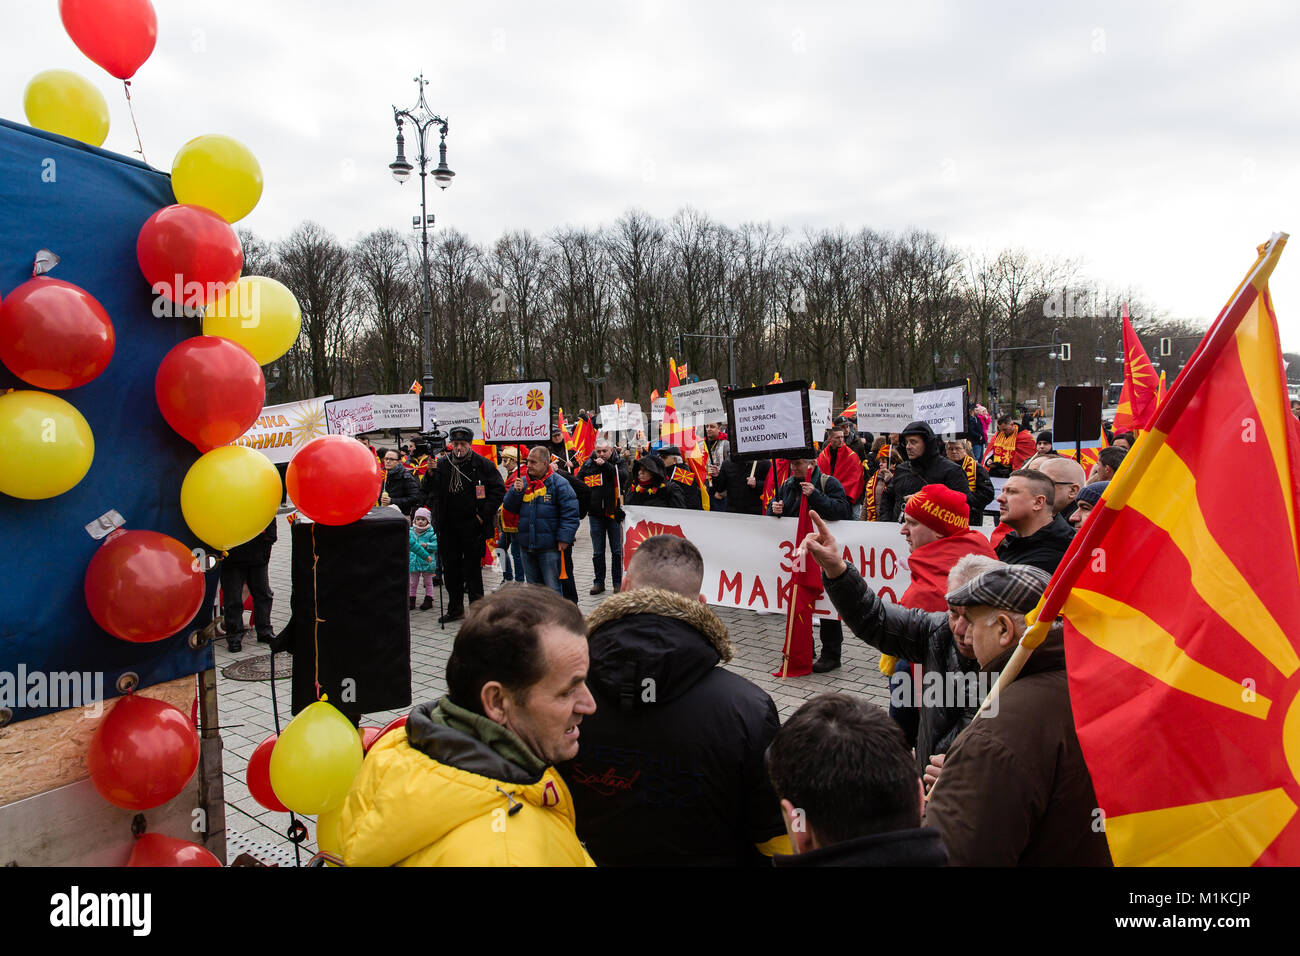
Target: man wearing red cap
x,y
936,526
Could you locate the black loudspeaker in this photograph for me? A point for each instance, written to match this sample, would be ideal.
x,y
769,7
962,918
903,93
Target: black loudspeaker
x,y
350,625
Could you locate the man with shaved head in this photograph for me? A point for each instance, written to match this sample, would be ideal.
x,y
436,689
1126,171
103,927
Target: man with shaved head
x,y
672,770
1038,537
1068,479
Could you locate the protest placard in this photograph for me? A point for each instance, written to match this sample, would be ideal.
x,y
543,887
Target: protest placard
x,y
450,415
351,416
517,411
819,407
885,409
699,403
770,421
942,407
396,411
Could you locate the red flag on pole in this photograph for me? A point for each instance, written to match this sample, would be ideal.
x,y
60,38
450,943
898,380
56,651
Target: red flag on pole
x,y
805,589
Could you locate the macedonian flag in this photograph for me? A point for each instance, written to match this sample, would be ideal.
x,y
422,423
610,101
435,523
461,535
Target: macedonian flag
x,y
1181,606
1137,399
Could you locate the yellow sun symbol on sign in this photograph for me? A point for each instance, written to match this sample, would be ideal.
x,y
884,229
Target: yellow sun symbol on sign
x,y
309,423
534,399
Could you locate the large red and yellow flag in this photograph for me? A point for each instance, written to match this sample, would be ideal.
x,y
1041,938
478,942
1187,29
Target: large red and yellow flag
x,y
481,447
1181,606
584,440
1137,399
673,379
805,589
673,432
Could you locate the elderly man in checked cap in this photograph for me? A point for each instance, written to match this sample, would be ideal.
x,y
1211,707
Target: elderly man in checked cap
x,y
1014,789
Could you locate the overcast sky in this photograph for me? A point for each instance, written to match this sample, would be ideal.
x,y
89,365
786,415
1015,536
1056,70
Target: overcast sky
x,y
1156,143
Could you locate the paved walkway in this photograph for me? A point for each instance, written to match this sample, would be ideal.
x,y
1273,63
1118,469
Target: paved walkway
x,y
245,706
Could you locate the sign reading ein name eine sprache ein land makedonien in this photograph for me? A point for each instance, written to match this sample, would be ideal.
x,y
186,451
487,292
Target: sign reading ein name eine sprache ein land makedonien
x,y
770,421
517,411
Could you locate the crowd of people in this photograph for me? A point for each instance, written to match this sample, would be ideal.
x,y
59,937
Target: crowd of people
x,y
621,740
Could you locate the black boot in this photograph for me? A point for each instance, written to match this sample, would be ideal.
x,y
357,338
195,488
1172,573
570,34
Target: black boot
x,y
428,603
453,614
832,640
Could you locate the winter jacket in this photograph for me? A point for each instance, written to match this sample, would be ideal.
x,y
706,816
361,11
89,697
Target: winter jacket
x,y
919,847
733,480
581,492
1043,549
605,481
827,499
661,493
977,498
450,491
932,468
1014,788
548,515
452,788
403,490
919,636
671,766
424,550
684,477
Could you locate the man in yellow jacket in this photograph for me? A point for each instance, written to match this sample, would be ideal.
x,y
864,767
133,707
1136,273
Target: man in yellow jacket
x,y
470,781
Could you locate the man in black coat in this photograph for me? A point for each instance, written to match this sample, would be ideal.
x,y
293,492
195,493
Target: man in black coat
x,y
247,563
464,491
850,794
670,769
606,480
924,464
827,497
742,484
400,487
1038,537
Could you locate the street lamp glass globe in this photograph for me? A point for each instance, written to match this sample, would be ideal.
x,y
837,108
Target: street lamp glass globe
x,y
442,176
401,170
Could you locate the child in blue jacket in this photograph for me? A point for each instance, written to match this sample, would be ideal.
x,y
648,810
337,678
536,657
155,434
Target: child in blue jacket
x,y
424,557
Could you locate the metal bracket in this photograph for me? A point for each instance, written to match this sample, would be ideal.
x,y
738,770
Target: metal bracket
x,y
209,633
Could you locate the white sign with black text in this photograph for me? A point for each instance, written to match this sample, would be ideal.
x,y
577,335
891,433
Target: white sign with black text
x,y
885,409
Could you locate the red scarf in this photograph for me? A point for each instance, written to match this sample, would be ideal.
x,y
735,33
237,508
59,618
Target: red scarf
x,y
847,470
536,488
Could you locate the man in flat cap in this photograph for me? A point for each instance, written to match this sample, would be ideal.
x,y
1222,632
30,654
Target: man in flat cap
x,y
463,491
1014,789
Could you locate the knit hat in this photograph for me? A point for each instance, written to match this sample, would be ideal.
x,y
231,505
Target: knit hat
x,y
424,513
1091,494
940,509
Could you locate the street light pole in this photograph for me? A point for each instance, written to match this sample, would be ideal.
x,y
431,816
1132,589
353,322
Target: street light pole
x,y
423,119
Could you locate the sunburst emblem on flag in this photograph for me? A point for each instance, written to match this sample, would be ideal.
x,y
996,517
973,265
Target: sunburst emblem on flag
x,y
642,530
308,423
534,399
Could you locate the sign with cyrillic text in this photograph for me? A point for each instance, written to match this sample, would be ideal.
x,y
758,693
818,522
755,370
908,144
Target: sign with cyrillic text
x,y
885,409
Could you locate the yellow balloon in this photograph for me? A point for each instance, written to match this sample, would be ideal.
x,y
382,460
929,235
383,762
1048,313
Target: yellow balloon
x,y
219,173
328,838
315,760
229,495
46,446
260,314
63,102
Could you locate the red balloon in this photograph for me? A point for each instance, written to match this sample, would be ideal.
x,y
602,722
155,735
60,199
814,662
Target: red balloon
x,y
259,776
391,725
368,736
143,753
210,390
189,254
154,849
119,35
142,586
333,479
54,334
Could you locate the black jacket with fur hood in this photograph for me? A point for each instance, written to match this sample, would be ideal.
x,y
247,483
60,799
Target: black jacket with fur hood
x,y
670,769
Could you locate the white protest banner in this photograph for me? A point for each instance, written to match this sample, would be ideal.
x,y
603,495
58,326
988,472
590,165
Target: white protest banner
x,y
699,403
943,408
657,409
396,411
449,415
770,423
631,419
517,411
885,409
819,405
351,416
282,429
747,558
609,418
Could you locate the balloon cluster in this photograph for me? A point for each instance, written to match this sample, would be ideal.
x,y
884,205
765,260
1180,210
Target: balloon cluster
x,y
310,767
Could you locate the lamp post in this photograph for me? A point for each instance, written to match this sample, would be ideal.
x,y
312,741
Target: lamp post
x,y
596,380
423,119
